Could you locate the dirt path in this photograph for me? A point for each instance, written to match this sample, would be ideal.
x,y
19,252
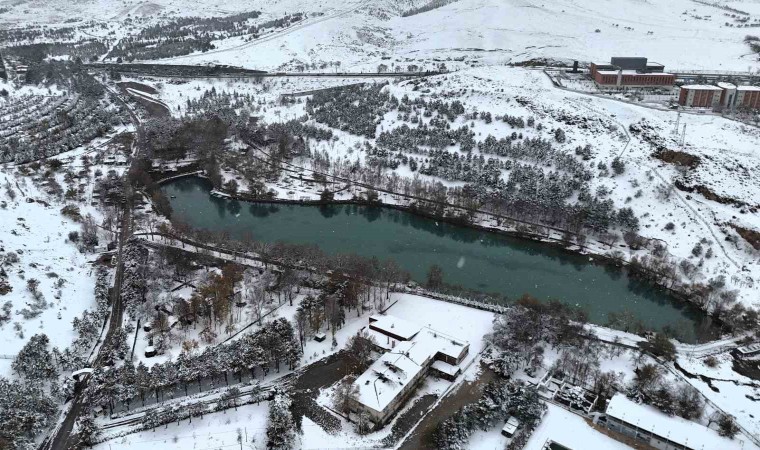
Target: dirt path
x,y
466,393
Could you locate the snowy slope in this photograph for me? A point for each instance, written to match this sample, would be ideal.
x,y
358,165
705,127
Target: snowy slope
x,y
38,235
680,34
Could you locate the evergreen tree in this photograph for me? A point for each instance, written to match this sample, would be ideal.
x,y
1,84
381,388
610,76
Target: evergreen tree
x,y
34,361
281,434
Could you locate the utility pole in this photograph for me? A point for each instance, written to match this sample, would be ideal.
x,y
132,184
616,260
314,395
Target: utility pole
x,y
678,122
683,136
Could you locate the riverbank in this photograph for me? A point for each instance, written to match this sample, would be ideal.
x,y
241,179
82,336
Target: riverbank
x,y
479,258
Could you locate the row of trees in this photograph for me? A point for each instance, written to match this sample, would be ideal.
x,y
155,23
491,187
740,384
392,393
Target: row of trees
x,y
263,351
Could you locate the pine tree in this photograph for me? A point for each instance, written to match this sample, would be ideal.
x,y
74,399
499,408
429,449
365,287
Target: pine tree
x,y
281,433
34,361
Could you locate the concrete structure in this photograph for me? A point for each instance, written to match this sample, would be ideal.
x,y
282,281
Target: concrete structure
x,y
626,72
699,96
660,431
410,352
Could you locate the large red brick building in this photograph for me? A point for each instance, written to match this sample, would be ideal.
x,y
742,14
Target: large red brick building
x,y
631,73
748,97
725,95
699,96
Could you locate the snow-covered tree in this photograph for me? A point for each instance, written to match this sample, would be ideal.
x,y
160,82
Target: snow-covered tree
x,y
34,361
281,432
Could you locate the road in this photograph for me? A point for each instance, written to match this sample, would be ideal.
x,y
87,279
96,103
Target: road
x,y
60,438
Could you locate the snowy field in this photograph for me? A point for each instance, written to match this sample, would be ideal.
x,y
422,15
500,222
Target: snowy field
x,y
38,235
558,425
359,33
244,426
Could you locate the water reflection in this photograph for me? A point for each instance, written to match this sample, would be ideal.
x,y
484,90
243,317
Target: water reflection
x,y
479,260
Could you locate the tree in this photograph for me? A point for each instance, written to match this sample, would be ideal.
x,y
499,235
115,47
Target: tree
x,y
346,394
618,166
360,347
281,434
559,135
87,430
434,277
34,360
727,426
231,186
661,346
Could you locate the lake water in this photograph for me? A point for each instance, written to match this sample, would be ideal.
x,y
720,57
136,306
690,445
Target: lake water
x,y
478,260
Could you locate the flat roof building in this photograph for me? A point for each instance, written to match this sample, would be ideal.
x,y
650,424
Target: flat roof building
x,y
647,424
726,95
631,72
699,96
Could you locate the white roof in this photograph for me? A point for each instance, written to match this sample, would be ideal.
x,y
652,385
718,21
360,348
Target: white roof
x,y
748,88
511,425
445,368
750,348
443,343
701,87
386,378
676,429
81,371
724,85
394,325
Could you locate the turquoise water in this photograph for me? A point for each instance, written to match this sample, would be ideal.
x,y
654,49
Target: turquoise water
x,y
474,259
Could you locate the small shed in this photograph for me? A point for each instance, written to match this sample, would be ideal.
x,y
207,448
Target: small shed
x,y
320,337
150,351
510,428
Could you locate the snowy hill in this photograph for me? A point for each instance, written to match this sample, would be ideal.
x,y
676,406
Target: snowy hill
x,y
681,34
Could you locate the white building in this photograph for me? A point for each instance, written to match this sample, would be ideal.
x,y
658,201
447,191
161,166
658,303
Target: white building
x,y
647,424
411,352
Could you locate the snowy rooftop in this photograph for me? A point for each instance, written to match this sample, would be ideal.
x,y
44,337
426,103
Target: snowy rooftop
x,y
387,377
631,72
701,87
675,429
724,85
752,348
748,88
393,325
511,425
442,343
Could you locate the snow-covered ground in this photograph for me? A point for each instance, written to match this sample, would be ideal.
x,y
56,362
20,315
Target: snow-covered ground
x,y
233,428
38,235
728,152
558,425
359,32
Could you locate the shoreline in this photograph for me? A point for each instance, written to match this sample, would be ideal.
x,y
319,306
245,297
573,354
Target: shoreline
x,y
679,299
